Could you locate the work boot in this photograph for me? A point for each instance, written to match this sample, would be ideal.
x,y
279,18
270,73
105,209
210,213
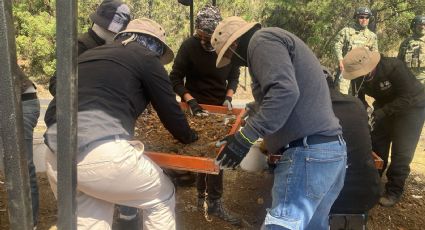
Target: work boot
x,y
216,208
388,200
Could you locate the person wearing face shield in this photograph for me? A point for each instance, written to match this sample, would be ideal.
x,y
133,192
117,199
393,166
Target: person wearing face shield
x,y
196,79
194,75
412,50
357,35
110,17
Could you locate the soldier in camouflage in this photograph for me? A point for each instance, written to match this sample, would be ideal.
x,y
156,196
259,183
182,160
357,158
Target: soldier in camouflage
x,y
412,50
351,37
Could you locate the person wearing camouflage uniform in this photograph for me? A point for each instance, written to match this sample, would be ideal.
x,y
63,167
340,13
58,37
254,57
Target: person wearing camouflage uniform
x,y
412,50
196,79
351,37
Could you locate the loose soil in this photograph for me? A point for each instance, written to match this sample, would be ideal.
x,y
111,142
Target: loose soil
x,y
152,133
248,195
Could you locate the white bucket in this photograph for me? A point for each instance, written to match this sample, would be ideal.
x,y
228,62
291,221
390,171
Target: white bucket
x,y
254,161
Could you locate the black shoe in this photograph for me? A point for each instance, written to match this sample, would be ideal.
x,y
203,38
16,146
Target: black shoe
x,y
388,200
215,208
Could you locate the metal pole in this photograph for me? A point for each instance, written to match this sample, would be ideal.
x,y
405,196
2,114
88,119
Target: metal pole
x,y
11,126
150,7
191,18
67,76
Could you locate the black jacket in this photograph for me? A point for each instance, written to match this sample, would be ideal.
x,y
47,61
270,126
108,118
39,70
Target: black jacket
x,y
204,81
394,87
115,85
86,41
361,186
25,81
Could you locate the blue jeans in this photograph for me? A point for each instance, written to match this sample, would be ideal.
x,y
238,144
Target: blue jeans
x,y
307,180
31,112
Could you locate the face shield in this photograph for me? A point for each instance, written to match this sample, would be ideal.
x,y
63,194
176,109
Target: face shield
x,y
205,40
206,21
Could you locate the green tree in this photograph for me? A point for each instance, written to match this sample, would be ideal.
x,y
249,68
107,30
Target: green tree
x,y
35,38
318,21
315,21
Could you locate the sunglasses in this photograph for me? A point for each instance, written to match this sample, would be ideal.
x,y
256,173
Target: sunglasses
x,y
363,17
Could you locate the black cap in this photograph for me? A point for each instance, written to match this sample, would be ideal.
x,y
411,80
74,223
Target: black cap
x,y
112,15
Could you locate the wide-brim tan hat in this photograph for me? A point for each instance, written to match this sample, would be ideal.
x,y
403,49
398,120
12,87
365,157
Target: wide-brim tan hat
x,y
150,27
359,62
228,31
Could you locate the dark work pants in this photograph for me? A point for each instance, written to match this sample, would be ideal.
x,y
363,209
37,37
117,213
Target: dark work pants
x,y
210,185
402,131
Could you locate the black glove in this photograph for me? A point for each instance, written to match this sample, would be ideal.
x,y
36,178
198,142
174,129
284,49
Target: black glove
x,y
250,109
191,138
196,109
376,116
235,150
228,102
194,136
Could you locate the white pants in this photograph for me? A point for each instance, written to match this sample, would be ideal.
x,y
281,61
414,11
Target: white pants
x,y
116,172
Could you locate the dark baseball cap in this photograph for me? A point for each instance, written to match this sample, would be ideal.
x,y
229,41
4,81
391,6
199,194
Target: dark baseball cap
x,y
112,15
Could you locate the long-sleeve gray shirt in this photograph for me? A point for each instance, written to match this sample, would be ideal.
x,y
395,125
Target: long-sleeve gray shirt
x,y
290,88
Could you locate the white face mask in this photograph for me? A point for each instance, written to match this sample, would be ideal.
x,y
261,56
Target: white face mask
x,y
106,35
